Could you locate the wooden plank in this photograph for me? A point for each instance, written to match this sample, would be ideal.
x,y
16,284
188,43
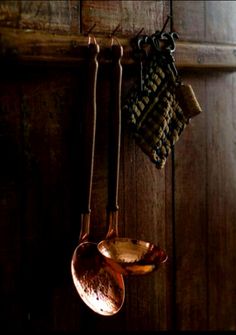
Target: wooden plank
x,y
209,17
10,206
54,16
190,232
221,193
205,56
131,16
184,15
220,22
43,186
33,46
150,226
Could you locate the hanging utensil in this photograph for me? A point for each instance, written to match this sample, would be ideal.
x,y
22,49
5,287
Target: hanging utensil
x,y
100,287
114,140
125,255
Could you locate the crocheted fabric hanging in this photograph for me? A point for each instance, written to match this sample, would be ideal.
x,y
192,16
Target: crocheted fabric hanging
x,y
158,114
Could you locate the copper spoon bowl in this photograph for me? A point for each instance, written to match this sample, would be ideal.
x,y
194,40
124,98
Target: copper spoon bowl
x,y
99,286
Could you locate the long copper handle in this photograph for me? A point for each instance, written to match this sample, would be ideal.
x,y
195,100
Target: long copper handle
x,y
88,131
115,137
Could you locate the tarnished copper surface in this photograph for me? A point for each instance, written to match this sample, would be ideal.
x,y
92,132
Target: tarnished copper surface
x,y
99,286
132,257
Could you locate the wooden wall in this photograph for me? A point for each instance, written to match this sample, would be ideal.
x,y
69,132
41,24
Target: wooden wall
x,y
188,207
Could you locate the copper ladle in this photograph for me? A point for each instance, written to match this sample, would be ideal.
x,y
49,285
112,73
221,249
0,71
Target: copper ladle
x,y
125,255
99,286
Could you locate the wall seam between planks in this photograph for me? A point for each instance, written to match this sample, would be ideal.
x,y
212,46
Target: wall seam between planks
x,y
173,301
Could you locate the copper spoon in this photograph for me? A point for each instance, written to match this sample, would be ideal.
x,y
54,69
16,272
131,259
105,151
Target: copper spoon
x,y
100,287
125,255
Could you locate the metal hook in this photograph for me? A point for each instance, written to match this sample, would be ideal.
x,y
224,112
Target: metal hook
x,y
90,30
140,41
170,48
115,30
165,24
141,30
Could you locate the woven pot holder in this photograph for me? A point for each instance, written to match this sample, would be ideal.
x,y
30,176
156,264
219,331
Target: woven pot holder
x,y
158,114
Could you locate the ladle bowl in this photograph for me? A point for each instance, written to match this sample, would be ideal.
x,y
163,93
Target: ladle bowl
x,y
132,257
99,286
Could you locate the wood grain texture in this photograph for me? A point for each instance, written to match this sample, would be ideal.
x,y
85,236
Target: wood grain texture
x,y
184,15
191,219
188,207
221,191
131,16
54,16
220,22
209,18
151,223
208,184
19,46
10,206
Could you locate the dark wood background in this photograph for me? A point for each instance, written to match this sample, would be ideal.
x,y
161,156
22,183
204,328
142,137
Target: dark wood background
x,y
188,207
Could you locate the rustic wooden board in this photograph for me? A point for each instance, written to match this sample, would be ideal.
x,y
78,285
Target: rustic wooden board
x,y
150,226
184,15
221,193
209,17
212,220
191,218
220,22
188,207
10,206
54,16
130,16
36,47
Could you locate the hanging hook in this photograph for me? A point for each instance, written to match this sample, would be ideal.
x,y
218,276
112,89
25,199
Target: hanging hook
x,y
90,30
92,37
165,24
115,30
140,42
139,33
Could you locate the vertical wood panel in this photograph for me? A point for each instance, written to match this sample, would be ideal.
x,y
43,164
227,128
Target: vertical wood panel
x,y
209,17
40,125
191,219
150,226
221,200
211,223
184,14
218,13
10,212
46,206
36,226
